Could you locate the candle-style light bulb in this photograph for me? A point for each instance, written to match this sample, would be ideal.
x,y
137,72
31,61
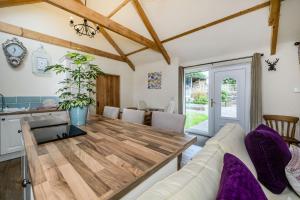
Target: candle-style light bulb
x,y
71,21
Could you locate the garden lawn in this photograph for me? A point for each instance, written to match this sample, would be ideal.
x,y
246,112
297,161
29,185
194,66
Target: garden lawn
x,y
193,118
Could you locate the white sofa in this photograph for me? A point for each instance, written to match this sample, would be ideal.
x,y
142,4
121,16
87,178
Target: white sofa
x,y
199,179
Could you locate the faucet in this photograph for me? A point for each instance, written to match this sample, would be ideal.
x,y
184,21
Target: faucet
x,y
2,102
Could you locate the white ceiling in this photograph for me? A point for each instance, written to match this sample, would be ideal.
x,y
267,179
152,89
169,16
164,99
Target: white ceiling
x,y
171,17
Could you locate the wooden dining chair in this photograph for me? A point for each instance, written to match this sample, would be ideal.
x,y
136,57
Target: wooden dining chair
x,y
284,125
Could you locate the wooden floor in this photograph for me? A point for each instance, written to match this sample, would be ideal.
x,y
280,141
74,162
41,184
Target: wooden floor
x,y
10,176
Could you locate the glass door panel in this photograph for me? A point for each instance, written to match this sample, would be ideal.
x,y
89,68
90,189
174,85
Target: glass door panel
x,y
197,102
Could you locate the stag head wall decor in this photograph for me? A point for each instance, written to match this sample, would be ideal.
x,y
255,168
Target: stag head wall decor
x,y
272,65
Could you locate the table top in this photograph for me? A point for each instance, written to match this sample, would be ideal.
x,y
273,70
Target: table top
x,y
108,162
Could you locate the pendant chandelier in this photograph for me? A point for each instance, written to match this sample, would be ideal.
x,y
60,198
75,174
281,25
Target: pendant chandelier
x,y
84,28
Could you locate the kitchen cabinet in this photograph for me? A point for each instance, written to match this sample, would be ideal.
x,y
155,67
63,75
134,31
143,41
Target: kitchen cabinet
x,y
11,140
11,134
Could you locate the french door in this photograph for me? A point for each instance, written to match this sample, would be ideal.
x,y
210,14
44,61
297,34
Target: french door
x,y
215,96
230,100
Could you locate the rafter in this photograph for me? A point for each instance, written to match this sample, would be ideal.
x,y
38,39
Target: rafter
x,y
227,18
80,10
274,22
124,3
26,33
151,30
8,3
116,47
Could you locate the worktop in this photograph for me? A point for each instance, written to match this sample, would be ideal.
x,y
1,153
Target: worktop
x,y
30,111
107,163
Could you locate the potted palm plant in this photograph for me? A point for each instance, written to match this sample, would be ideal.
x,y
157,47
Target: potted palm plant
x,y
78,89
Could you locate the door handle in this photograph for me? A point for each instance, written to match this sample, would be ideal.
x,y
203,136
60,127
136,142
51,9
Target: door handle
x,y
19,131
212,102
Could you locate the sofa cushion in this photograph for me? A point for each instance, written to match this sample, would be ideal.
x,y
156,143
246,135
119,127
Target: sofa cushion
x,y
231,140
266,128
237,182
200,178
292,170
269,154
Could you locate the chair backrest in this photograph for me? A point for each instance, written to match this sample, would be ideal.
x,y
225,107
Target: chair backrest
x,y
171,107
169,122
284,125
133,116
111,112
142,105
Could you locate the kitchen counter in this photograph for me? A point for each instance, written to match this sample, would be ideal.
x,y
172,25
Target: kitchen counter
x,y
30,111
107,163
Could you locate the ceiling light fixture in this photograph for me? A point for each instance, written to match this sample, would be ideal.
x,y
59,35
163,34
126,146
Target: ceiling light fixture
x,y
84,28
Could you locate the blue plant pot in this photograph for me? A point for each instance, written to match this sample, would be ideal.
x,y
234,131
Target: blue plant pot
x,y
78,115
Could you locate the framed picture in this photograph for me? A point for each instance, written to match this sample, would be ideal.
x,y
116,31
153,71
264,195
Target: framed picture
x,y
154,80
40,60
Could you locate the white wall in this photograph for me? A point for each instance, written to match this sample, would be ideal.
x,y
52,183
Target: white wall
x,y
158,98
22,82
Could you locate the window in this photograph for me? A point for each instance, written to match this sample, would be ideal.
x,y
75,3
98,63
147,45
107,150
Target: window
x,y
229,98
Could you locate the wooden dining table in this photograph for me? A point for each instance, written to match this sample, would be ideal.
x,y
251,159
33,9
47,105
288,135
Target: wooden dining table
x,y
111,161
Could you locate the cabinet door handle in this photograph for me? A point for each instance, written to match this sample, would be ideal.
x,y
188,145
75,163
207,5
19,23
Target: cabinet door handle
x,y
19,131
25,182
3,119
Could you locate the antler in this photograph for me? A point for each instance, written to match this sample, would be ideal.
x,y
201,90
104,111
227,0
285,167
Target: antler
x,y
269,63
276,61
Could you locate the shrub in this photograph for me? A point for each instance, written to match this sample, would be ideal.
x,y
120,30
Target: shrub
x,y
201,100
198,94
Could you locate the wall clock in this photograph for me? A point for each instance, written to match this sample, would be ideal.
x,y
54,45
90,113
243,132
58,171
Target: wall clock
x,y
14,51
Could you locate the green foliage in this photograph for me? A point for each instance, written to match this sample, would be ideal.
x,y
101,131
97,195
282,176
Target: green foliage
x,y
78,89
194,118
203,100
196,75
229,81
224,96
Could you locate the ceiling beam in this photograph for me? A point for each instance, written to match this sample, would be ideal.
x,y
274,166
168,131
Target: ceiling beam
x,y
274,23
151,30
8,3
219,21
26,33
124,3
80,10
116,47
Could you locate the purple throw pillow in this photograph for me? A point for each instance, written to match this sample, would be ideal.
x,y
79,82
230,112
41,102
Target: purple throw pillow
x,y
269,154
266,128
237,181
